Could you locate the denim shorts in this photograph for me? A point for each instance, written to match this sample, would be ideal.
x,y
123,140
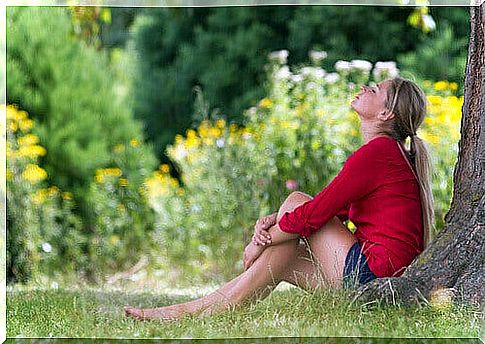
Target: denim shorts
x,y
356,270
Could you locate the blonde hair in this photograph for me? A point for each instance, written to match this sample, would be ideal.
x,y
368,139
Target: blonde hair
x,y
408,103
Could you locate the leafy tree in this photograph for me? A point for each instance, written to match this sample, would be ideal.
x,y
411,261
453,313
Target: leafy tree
x,y
68,88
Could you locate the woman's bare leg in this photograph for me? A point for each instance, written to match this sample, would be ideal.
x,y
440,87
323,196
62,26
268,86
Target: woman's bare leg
x,y
288,261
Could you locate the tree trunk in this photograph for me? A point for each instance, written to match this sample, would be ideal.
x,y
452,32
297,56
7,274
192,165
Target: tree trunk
x,y
453,265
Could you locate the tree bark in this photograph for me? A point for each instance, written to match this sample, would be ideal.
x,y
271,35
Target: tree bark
x,y
452,268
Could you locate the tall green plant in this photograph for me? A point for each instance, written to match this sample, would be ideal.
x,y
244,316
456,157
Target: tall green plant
x,y
70,90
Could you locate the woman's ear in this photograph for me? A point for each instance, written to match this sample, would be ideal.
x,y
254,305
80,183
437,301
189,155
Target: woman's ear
x,y
385,115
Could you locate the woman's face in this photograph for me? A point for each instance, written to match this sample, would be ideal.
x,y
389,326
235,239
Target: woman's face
x,y
370,102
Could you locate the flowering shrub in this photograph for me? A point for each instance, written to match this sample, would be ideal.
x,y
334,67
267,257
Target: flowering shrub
x,y
123,220
43,233
296,138
46,236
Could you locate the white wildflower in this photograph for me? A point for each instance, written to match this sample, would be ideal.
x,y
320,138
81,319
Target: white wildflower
x,y
343,66
429,22
319,72
311,86
296,78
220,142
363,65
317,56
283,73
279,56
54,285
46,247
196,208
332,78
180,152
383,70
246,136
307,71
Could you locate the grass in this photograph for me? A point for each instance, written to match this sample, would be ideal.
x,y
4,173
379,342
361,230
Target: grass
x,y
88,312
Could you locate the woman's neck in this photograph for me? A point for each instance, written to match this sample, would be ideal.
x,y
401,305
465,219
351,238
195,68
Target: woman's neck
x,y
370,131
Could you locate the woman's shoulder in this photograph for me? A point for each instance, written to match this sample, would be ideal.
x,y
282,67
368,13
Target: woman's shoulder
x,y
378,147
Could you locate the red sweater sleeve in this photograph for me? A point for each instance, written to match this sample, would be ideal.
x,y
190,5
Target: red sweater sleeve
x,y
359,176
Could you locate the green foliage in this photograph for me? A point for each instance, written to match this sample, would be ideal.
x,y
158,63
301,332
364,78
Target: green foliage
x,y
70,90
178,49
441,56
44,236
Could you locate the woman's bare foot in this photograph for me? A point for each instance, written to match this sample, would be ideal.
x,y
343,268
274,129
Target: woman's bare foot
x,y
168,313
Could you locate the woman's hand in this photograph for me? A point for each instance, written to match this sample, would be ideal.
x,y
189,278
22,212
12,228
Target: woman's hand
x,y
251,253
261,235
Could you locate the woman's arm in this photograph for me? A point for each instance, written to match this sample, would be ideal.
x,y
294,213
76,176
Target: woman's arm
x,y
278,236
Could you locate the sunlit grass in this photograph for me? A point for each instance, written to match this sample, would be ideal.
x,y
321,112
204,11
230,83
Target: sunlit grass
x,y
291,312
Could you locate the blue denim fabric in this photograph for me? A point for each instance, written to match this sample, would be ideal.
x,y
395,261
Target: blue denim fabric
x,y
356,270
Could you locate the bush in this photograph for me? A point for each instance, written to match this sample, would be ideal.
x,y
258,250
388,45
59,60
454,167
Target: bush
x,y
296,138
82,119
44,236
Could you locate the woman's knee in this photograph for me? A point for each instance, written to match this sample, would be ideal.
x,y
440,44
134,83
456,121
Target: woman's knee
x,y
293,200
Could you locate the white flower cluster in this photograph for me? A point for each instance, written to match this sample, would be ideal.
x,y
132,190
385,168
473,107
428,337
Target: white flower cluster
x,y
317,56
385,70
316,72
46,247
346,66
332,78
280,56
343,66
283,73
362,65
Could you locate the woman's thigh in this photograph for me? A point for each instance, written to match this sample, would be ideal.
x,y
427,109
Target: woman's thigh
x,y
321,258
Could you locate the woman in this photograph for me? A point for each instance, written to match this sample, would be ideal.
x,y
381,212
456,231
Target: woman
x,y
384,191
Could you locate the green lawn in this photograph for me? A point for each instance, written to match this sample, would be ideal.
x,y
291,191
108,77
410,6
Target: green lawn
x,y
87,312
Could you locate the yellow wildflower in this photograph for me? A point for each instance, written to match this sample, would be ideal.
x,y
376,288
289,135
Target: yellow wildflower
x,y
215,132
191,133
27,140
34,173
67,195
453,86
174,182
99,178
114,171
32,151
435,100
209,141
192,141
351,225
9,175
220,123
134,142
233,128
39,196
180,191
164,168
123,182
13,126
119,148
266,103
26,124
53,190
179,139
114,239
440,85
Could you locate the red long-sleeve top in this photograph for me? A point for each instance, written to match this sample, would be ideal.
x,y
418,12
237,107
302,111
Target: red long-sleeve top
x,y
377,190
